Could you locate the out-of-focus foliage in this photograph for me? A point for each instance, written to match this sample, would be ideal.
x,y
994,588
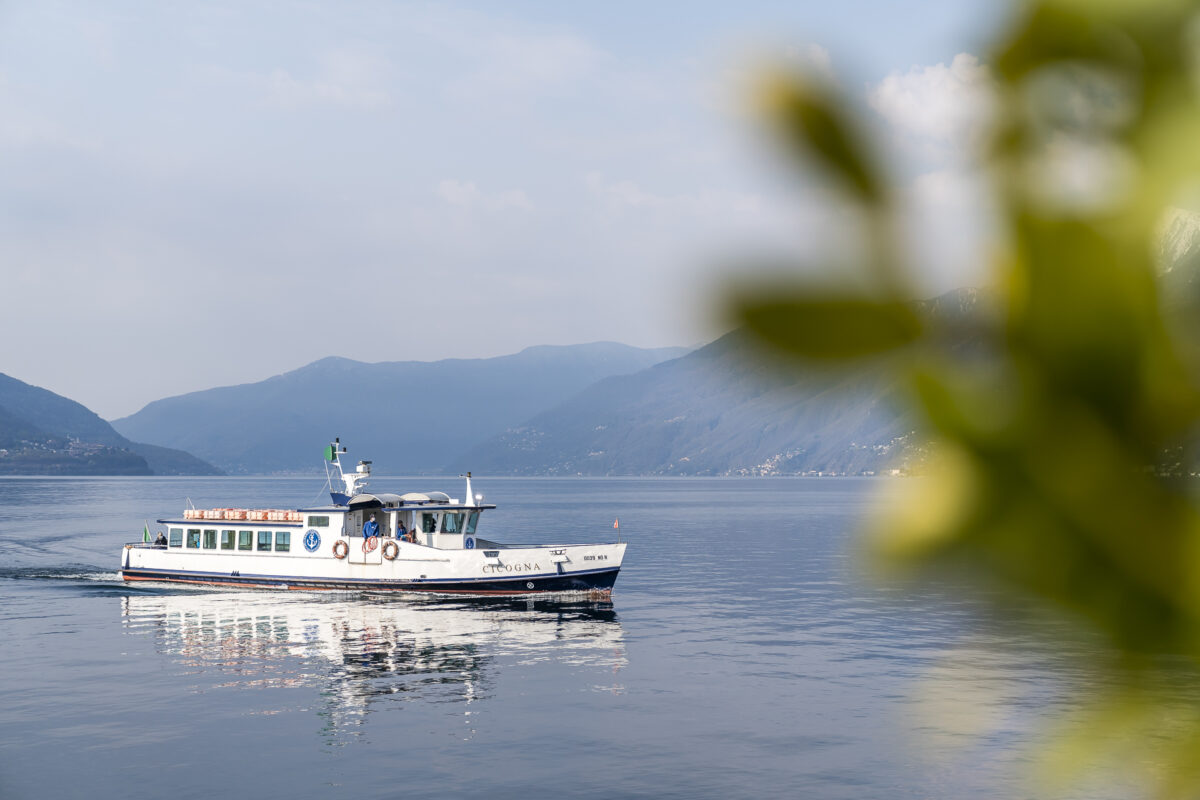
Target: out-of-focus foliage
x,y
1065,430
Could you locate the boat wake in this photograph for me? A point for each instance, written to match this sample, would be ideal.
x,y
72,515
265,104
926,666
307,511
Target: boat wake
x,y
86,578
78,573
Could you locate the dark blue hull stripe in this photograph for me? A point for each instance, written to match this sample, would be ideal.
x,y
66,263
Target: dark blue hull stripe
x,y
589,580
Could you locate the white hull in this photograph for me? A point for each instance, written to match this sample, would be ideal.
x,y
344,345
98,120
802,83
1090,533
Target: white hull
x,y
415,568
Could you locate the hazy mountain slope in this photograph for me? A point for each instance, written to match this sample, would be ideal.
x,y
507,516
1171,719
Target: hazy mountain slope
x,y
1179,250
46,433
55,414
718,410
406,416
26,449
723,409
169,461
14,431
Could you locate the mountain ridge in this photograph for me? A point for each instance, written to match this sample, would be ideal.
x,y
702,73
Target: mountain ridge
x,y
721,410
45,433
416,414
728,408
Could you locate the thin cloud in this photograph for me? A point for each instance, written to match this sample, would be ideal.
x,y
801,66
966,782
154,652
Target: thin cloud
x,y
935,117
465,194
813,58
937,110
340,78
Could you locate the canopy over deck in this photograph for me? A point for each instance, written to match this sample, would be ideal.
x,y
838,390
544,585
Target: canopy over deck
x,y
410,500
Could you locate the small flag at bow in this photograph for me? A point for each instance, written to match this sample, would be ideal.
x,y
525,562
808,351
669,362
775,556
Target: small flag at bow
x,y
617,523
146,532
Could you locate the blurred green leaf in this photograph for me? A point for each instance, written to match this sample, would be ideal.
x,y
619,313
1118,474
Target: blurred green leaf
x,y
1057,32
831,326
811,120
1063,434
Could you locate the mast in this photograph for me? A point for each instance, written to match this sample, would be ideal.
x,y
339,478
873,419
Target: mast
x,y
353,482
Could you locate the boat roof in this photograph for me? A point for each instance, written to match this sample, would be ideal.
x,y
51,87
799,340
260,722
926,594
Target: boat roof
x,y
230,523
437,500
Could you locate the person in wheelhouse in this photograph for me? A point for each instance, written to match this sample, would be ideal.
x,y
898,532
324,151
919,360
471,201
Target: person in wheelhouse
x,y
370,528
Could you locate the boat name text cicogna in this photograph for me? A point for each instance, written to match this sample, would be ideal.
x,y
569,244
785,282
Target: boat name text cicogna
x,y
495,569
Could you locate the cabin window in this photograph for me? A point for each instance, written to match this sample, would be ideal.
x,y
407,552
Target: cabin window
x,y
429,522
245,540
227,539
283,541
264,540
193,539
452,523
472,521
176,537
210,540
318,522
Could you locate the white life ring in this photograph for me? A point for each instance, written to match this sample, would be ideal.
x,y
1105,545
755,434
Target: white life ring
x,y
340,548
391,550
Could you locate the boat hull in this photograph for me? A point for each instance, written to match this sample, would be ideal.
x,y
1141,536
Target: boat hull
x,y
411,568
592,581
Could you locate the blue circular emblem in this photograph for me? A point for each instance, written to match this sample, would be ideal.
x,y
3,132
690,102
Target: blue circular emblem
x,y
469,543
312,540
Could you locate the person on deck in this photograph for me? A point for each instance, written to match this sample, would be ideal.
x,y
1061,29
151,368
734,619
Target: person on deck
x,y
161,541
401,532
371,528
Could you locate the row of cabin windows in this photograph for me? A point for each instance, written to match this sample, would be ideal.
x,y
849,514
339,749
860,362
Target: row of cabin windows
x,y
452,522
197,538
232,540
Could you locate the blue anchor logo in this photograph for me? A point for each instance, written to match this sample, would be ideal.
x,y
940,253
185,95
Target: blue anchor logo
x,y
312,540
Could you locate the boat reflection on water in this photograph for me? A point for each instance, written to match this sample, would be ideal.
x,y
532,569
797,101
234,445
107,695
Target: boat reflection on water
x,y
359,653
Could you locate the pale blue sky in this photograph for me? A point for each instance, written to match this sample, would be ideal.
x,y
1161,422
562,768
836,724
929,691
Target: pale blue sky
x,y
196,195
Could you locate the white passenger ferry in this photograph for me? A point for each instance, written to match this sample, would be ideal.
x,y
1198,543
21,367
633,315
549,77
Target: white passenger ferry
x,y
422,542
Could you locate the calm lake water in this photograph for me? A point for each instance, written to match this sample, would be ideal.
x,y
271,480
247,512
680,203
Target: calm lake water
x,y
743,655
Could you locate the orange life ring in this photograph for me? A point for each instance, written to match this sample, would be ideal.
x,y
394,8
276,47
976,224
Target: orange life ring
x,y
370,543
391,550
340,548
